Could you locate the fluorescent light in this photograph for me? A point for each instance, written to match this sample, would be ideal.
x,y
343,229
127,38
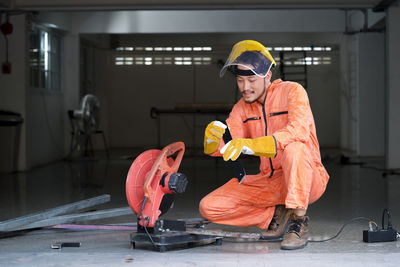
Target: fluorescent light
x,y
46,49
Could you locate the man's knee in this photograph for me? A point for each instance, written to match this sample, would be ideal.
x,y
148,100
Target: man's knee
x,y
213,207
204,207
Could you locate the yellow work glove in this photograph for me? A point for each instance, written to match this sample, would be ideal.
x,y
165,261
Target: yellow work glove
x,y
212,136
263,146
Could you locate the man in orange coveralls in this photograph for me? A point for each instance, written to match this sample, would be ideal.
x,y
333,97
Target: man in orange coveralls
x,y
272,120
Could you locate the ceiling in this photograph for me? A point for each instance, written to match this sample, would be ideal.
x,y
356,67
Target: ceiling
x,y
64,5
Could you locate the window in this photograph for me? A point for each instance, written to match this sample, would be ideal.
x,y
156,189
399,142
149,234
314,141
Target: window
x,y
159,55
44,59
302,55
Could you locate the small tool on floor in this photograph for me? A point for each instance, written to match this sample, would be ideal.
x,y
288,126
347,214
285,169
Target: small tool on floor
x,y
61,245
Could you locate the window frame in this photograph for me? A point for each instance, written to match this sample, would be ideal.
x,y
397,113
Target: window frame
x,y
47,77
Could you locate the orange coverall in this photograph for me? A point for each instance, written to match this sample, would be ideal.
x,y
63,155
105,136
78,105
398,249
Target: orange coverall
x,y
295,177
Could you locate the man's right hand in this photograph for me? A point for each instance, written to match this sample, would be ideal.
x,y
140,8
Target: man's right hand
x,y
212,136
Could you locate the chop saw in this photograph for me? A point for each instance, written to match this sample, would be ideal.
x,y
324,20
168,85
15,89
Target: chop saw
x,y
151,184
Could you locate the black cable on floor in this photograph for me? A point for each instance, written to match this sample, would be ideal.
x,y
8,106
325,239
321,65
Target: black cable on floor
x,y
341,229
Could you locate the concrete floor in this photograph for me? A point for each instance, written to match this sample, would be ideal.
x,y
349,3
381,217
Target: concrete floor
x,y
353,191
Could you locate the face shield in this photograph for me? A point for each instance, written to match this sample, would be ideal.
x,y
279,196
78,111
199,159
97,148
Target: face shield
x,y
252,56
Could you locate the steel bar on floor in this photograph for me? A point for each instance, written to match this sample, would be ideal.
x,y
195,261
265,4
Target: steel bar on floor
x,y
71,218
16,223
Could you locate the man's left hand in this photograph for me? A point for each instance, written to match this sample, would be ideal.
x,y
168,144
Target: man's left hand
x,y
263,146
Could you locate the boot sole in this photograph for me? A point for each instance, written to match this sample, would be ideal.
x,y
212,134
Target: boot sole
x,y
294,247
275,237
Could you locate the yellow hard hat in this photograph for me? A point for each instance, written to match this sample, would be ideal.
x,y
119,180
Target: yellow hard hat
x,y
251,55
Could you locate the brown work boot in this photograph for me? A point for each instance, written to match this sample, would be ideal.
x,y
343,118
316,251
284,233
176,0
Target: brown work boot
x,y
297,234
278,224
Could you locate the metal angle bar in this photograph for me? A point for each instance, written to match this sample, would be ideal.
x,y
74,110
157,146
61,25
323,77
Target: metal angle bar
x,y
225,234
93,227
16,223
71,218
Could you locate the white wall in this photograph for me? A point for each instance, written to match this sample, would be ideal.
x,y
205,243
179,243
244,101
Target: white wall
x,y
13,86
45,119
349,94
393,94
70,80
371,88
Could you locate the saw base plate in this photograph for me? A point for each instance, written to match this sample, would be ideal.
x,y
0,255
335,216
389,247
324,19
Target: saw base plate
x,y
168,234
171,240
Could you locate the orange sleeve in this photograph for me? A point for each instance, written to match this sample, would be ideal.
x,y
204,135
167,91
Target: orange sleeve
x,y
235,124
299,118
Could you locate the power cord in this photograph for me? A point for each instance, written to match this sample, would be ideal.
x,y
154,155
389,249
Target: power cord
x,y
341,229
146,221
373,234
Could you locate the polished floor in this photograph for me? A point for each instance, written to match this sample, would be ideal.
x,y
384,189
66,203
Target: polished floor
x,y
354,190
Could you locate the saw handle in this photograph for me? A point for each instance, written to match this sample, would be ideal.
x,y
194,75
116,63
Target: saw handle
x,y
161,166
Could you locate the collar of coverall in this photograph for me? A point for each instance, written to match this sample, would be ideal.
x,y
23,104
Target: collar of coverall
x,y
273,83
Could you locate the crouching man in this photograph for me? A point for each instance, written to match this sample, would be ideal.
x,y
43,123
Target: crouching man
x,y
272,120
